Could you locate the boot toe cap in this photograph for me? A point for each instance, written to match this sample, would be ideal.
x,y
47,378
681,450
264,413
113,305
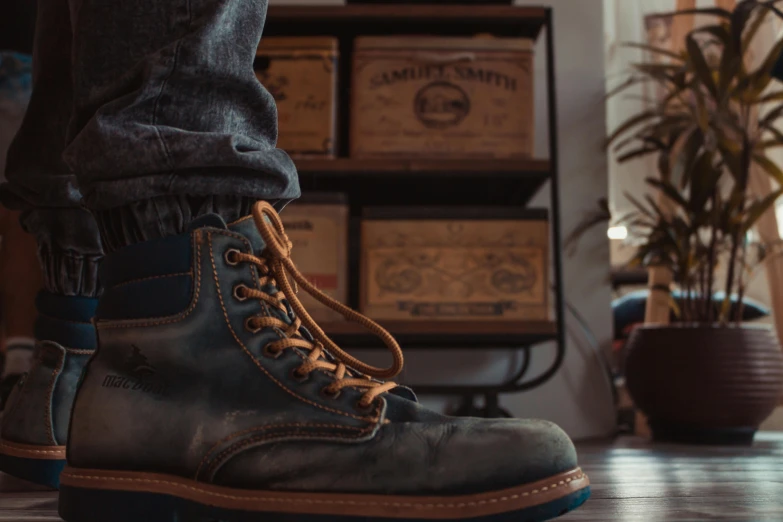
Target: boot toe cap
x,y
456,457
494,455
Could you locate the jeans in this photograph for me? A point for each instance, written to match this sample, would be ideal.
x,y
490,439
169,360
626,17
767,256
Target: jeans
x,y
144,115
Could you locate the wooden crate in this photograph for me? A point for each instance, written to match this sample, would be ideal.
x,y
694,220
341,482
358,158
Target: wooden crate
x,y
301,74
318,228
442,96
454,264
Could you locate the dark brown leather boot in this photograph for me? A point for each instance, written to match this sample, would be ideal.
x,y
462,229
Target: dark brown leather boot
x,y
214,396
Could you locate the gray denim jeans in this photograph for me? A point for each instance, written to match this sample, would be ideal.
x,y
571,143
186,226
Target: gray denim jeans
x,y
144,115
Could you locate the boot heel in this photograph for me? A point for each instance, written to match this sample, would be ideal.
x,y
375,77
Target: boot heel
x,y
97,505
38,471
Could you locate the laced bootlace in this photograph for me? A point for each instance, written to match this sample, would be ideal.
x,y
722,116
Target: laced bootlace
x,y
275,267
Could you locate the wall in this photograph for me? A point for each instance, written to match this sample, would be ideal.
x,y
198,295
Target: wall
x,y
578,397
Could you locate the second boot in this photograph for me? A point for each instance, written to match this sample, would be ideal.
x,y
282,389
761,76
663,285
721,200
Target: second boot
x,y
34,429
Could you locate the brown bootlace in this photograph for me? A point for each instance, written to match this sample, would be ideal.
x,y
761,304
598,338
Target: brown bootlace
x,y
274,268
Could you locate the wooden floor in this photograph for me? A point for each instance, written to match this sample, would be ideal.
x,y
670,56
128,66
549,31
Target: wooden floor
x,y
632,479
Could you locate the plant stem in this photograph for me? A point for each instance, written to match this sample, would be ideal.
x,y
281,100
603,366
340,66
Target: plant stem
x,y
741,281
737,235
711,261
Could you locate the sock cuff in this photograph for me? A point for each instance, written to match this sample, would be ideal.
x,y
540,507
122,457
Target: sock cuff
x,y
66,308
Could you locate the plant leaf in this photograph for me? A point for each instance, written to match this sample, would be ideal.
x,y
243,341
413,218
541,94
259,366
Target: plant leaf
x,y
751,31
628,83
704,182
685,155
700,66
730,65
638,204
768,144
669,190
630,123
635,153
758,208
739,20
716,11
654,50
770,127
771,97
764,72
770,167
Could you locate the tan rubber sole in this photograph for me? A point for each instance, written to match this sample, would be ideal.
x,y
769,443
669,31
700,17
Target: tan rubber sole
x,y
387,506
29,451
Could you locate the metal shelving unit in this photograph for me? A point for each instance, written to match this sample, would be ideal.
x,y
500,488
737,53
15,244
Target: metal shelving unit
x,y
420,181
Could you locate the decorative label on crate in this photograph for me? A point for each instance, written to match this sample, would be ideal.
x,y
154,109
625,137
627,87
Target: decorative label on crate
x,y
301,74
432,96
319,233
455,269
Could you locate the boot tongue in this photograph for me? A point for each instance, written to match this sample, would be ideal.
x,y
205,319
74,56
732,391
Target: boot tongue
x,y
207,220
247,228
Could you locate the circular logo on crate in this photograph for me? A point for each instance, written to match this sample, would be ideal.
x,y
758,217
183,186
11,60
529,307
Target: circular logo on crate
x,y
440,105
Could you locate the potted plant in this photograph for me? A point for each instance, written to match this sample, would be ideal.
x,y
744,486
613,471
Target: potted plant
x,y
708,378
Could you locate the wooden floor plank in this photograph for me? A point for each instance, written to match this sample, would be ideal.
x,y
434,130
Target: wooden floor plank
x,y
633,481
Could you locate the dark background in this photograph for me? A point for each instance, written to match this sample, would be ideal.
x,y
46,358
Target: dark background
x,y
17,23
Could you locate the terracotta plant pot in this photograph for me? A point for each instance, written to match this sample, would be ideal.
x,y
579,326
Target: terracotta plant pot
x,y
705,384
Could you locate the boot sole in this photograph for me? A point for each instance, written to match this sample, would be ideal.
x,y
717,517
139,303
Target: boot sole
x,y
38,464
105,496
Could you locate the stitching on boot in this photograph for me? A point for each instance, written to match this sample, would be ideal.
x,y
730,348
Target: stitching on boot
x,y
244,348
158,321
419,505
75,351
238,434
11,446
150,278
251,268
50,395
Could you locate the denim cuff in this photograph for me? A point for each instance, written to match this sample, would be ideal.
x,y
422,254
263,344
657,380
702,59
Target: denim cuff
x,y
164,216
70,273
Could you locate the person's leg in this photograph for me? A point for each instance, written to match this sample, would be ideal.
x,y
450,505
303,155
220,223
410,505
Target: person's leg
x,y
170,121
35,421
207,399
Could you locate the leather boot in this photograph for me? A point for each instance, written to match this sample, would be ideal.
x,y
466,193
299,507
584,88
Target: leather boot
x,y
34,428
214,396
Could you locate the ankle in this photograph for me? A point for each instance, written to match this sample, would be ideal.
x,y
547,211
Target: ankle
x,y
164,216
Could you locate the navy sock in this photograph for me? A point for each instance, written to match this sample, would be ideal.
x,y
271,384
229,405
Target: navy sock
x,y
66,320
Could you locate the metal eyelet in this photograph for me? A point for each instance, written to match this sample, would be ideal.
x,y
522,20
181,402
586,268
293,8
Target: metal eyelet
x,y
229,256
325,392
240,296
249,326
272,354
295,375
